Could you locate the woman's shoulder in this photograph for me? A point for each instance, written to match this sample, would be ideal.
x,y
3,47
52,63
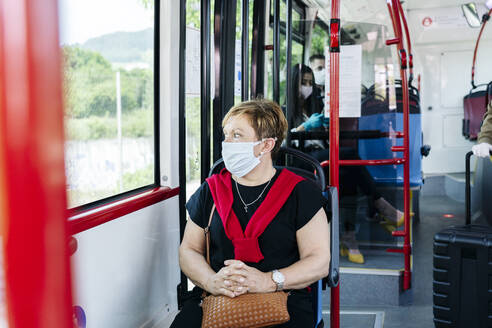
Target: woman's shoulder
x,y
199,203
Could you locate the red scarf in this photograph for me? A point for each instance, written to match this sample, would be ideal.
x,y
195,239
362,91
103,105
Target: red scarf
x,y
246,247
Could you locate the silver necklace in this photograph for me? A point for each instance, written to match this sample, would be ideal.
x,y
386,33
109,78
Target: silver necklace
x,y
241,198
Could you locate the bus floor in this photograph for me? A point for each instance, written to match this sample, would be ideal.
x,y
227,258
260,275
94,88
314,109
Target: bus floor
x,y
419,313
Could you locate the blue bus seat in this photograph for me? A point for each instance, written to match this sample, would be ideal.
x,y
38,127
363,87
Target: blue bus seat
x,y
377,116
381,148
317,175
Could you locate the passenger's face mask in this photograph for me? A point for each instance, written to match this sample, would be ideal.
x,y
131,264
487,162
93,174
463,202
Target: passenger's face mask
x,y
319,77
306,91
239,157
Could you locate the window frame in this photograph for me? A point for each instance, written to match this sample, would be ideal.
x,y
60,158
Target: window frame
x,y
76,210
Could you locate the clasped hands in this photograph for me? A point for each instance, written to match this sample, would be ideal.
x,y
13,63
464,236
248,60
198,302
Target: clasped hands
x,y
236,278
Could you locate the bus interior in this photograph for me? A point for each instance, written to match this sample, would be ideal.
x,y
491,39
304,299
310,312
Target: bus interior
x,y
111,118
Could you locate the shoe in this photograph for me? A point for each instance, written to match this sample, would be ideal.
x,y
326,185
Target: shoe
x,y
352,257
389,214
398,223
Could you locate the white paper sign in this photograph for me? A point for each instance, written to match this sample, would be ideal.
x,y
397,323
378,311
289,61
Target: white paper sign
x,y
350,81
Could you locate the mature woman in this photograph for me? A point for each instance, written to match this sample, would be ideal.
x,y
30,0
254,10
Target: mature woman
x,y
290,253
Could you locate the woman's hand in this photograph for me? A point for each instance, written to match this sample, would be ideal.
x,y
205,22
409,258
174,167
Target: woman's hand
x,y
315,121
222,283
246,279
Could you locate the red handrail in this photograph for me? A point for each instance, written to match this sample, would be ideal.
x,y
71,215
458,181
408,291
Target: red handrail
x,y
362,162
391,15
407,249
484,22
409,42
334,133
88,219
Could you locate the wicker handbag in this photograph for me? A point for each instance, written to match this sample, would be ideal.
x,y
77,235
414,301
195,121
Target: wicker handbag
x,y
244,311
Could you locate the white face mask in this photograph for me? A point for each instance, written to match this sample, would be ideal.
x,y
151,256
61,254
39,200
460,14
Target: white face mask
x,y
239,157
306,91
319,76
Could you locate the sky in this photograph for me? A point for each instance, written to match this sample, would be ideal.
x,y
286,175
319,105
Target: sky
x,y
81,20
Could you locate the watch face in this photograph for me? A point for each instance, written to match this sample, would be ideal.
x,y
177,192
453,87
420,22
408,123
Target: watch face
x,y
278,277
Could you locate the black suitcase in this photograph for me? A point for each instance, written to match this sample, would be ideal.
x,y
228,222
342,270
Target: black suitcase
x,y
462,282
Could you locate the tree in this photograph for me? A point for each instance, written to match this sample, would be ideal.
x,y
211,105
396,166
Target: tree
x,y
90,85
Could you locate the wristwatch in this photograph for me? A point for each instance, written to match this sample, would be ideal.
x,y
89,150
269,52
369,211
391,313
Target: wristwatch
x,y
279,279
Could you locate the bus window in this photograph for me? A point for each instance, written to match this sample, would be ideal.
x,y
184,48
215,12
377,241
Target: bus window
x,y
192,96
298,39
109,97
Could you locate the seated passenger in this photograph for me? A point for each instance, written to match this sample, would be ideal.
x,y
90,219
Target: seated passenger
x,y
484,142
294,240
307,116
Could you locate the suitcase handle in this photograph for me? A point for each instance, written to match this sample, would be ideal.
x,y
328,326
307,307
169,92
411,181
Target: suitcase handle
x,y
468,187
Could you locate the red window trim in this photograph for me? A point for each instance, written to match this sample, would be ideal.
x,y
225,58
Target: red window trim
x,y
88,219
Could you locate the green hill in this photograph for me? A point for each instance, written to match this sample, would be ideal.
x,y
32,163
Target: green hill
x,y
123,47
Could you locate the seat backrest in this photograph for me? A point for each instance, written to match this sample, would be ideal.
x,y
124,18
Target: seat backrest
x,y
317,175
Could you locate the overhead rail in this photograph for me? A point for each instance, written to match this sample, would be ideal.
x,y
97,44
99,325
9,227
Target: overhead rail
x,y
485,19
409,42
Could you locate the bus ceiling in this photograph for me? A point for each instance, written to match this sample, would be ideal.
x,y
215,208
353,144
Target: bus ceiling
x,y
375,11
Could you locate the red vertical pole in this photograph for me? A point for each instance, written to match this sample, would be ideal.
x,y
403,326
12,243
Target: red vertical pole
x,y
34,234
407,274
334,132
409,42
391,15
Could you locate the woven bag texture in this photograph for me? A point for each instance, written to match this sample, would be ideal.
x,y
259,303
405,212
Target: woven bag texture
x,y
247,310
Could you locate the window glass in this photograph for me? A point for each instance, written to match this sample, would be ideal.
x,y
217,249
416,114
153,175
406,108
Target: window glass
x,y
108,65
296,58
296,21
192,96
319,39
238,73
296,52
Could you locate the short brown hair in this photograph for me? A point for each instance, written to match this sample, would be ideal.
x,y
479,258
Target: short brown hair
x,y
266,118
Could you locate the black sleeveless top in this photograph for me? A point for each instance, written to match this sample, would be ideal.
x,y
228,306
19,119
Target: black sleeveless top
x,y
278,242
